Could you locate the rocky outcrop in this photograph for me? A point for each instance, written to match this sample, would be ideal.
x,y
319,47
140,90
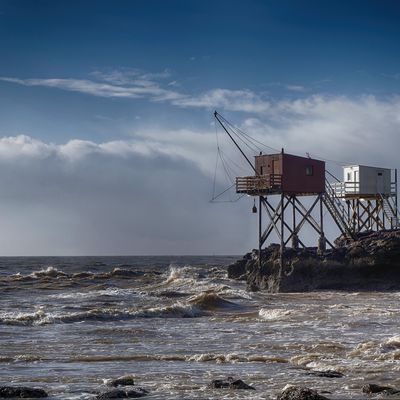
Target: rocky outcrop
x,y
126,380
129,392
371,262
230,383
300,393
371,388
22,392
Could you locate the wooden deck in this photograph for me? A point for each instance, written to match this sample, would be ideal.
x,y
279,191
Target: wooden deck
x,y
259,184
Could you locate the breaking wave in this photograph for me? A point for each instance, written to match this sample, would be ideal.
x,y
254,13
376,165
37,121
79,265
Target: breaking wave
x,y
230,358
53,272
40,317
49,272
210,301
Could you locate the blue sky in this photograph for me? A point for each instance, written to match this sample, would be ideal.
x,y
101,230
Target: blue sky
x,y
87,84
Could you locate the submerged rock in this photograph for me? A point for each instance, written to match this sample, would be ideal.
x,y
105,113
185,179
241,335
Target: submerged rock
x,y
371,388
123,394
372,262
230,383
300,393
326,374
126,380
21,392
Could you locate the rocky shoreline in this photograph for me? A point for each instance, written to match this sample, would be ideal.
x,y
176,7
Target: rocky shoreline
x,y
369,263
128,390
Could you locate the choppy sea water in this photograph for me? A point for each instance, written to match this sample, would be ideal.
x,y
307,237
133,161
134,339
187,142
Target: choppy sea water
x,y
67,325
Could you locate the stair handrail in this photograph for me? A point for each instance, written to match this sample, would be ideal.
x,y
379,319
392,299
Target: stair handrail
x,y
336,208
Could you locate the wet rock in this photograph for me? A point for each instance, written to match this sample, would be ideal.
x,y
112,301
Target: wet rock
x,y
238,270
126,380
21,392
300,393
371,262
326,374
239,384
371,388
123,394
218,384
230,383
113,394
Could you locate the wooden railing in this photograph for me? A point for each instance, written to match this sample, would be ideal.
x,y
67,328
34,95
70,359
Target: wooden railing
x,y
257,183
343,189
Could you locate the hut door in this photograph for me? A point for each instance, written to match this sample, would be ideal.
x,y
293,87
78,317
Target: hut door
x,y
276,167
379,182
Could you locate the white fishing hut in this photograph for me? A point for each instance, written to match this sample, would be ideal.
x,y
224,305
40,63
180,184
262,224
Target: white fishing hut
x,y
362,180
371,197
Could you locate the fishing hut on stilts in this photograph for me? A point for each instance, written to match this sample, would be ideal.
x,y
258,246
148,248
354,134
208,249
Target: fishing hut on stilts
x,y
365,200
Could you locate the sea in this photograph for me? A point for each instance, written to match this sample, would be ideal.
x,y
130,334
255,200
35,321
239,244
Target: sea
x,y
69,325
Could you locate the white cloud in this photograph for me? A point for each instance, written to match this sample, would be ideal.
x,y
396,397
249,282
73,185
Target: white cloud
x,y
139,88
296,88
132,84
23,146
232,100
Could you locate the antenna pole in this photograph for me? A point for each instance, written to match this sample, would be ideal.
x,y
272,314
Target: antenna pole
x,y
233,140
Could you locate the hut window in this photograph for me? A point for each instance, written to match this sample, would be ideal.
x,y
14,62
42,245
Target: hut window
x,y
379,173
349,176
309,170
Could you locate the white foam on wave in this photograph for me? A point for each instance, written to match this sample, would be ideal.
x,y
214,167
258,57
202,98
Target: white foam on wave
x,y
41,317
274,314
305,360
95,293
50,272
177,310
25,318
233,358
177,274
234,293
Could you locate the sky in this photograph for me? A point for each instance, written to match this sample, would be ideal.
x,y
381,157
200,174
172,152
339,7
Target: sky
x,y
108,144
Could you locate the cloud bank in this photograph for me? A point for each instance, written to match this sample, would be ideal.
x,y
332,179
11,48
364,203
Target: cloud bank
x,y
121,197
108,198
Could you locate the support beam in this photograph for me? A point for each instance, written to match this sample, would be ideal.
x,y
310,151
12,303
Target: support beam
x,y
282,233
259,230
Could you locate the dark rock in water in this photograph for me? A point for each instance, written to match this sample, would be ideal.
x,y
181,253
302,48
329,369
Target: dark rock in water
x,y
300,393
240,268
218,384
7,392
372,262
138,392
123,394
371,388
230,383
239,384
126,380
326,374
113,394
